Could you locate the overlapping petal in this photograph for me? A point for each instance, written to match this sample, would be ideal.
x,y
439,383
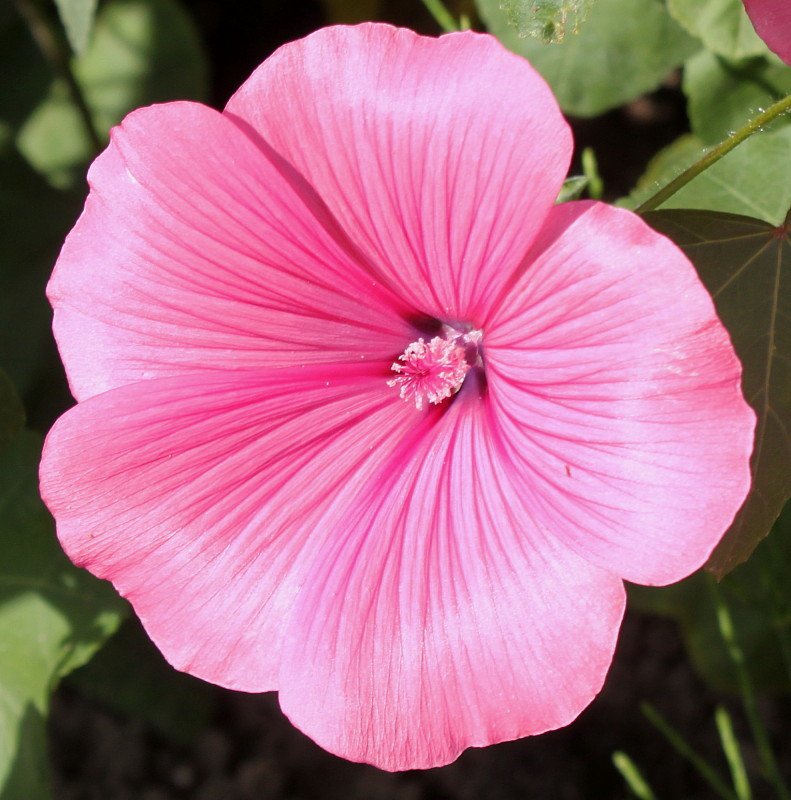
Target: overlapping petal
x,y
442,615
619,396
195,252
440,158
202,497
772,22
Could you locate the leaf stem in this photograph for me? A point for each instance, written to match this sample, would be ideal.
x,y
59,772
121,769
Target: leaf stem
x,y
765,752
55,49
590,169
680,745
631,774
715,154
733,755
441,15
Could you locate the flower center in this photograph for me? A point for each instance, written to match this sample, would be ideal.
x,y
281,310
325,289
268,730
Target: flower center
x,y
435,370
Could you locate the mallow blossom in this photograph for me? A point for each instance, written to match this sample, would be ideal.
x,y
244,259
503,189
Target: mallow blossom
x,y
364,417
772,22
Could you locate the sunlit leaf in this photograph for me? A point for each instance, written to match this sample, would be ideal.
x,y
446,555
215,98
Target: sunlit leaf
x,y
53,617
573,188
754,178
723,26
746,265
624,49
546,20
141,52
724,95
77,17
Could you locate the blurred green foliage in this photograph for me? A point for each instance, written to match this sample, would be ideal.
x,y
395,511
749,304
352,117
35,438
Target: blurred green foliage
x,y
722,26
77,17
624,48
139,52
53,617
725,93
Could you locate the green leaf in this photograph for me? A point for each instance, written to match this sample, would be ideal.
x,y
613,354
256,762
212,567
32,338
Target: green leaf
x,y
141,52
663,167
25,774
573,188
625,48
746,265
754,178
53,617
77,18
723,25
632,775
757,596
546,20
725,95
12,414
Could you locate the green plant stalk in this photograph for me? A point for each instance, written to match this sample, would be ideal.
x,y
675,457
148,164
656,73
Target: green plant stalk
x,y
765,752
53,45
730,747
441,15
630,773
715,154
590,169
680,745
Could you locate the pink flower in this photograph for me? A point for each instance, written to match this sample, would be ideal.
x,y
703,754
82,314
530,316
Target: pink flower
x,y
363,417
772,22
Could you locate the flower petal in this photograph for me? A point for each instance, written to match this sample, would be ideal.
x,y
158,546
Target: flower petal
x,y
440,616
772,22
439,157
203,497
195,252
618,393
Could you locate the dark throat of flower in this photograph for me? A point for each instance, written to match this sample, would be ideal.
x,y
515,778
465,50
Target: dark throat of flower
x,y
431,370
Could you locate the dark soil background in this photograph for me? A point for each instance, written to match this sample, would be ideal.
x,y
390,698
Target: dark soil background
x,y
247,750
190,740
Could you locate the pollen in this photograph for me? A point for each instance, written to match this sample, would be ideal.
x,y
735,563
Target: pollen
x,y
432,371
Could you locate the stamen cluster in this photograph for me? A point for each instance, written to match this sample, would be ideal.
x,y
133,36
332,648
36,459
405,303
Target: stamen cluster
x,y
432,371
